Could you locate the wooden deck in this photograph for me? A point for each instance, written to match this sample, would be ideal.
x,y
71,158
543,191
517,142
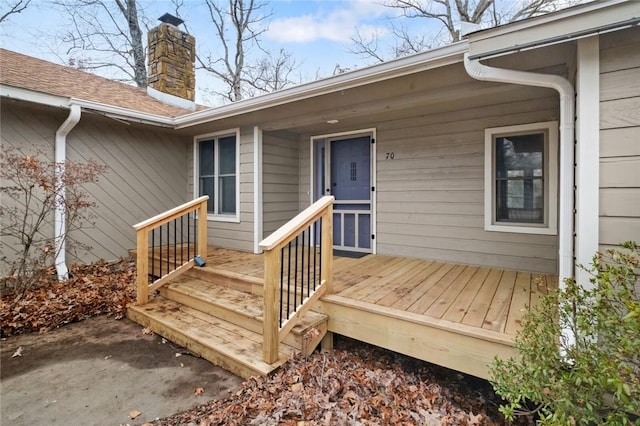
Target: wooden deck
x,y
457,316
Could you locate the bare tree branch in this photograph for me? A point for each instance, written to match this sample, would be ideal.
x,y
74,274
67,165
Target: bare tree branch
x,y
13,8
449,13
237,27
110,30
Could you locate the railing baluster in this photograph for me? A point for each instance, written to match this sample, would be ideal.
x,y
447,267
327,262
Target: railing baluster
x,y
309,261
153,254
189,236
181,239
302,246
295,279
288,278
281,284
175,242
160,244
315,255
168,246
195,235
319,258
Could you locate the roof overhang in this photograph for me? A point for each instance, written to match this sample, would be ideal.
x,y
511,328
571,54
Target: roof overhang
x,y
447,55
118,113
568,24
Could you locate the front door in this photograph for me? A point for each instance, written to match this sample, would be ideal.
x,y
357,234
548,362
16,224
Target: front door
x,y
348,179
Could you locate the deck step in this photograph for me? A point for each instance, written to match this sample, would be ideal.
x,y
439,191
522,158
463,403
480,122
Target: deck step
x,y
242,309
223,343
238,281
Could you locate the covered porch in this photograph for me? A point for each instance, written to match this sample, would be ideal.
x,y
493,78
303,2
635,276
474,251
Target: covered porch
x,y
454,315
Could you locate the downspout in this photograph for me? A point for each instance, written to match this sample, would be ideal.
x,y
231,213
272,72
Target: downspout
x,y
60,223
567,97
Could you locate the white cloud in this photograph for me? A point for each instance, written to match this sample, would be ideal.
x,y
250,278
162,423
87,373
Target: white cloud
x,y
338,23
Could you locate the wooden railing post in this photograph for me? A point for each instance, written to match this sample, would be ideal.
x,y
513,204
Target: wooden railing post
x,y
327,249
270,348
142,266
201,243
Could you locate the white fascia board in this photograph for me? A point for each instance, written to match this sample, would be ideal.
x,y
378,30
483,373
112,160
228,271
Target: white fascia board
x,y
552,28
125,113
27,95
434,58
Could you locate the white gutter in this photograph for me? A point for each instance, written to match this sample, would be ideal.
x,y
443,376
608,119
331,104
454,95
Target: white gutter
x,y
60,225
567,97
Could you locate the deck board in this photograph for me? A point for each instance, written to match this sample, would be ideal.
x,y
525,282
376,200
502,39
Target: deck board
x,y
498,312
460,306
423,286
442,303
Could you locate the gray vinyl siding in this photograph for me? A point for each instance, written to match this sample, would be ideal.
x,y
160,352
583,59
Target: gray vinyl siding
x,y
26,130
430,197
146,172
280,171
234,235
619,207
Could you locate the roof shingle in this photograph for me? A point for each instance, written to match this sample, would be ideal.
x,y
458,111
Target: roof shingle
x,y
27,72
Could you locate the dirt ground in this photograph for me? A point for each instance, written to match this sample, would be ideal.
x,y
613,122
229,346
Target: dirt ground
x,y
101,371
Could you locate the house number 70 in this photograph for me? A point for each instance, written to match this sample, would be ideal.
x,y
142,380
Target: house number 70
x,y
391,155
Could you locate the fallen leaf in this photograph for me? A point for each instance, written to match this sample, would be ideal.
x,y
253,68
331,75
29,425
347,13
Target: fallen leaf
x,y
18,352
474,420
198,391
133,414
296,388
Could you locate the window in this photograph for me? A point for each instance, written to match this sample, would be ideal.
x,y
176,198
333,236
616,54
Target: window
x,y
217,165
521,169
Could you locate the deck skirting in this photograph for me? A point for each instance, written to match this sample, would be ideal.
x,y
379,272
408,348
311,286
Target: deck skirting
x,y
466,349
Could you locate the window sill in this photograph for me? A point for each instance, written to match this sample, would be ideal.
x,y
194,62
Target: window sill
x,y
521,229
223,218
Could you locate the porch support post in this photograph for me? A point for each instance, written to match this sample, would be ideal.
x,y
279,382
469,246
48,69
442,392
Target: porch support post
x,y
270,347
587,154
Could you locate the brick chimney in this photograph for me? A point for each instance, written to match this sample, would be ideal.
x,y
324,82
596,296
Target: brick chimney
x,y
172,55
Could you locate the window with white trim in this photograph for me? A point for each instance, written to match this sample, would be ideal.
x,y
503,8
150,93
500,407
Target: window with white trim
x,y
521,167
217,168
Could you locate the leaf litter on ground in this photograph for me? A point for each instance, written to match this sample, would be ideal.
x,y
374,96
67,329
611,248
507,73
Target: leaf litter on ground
x,y
93,289
355,384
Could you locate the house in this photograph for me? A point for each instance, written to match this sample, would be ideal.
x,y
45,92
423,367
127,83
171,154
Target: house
x,y
500,160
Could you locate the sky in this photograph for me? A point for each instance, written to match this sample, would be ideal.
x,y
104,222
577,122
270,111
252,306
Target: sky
x,y
317,33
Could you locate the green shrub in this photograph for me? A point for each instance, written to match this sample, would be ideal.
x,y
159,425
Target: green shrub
x,y
594,379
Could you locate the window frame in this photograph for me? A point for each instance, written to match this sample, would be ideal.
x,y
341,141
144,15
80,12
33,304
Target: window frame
x,y
216,136
550,179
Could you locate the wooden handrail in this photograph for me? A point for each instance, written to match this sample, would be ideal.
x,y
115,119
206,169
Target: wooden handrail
x,y
142,257
289,230
273,331
169,215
